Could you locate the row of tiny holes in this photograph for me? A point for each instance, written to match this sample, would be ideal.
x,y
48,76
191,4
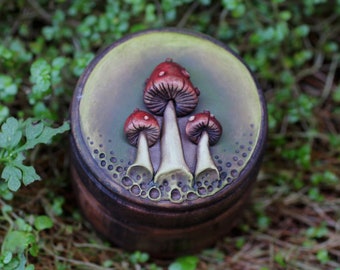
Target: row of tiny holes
x,y
233,173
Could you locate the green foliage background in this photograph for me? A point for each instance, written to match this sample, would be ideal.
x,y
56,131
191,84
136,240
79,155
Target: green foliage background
x,y
293,49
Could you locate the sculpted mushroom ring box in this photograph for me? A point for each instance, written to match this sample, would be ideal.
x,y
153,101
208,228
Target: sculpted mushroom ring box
x,y
168,133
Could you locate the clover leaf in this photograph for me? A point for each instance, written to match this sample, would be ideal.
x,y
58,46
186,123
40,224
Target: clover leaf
x,y
16,137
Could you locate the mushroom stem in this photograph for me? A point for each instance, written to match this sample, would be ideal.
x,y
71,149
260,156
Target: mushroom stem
x,y
173,165
142,166
205,166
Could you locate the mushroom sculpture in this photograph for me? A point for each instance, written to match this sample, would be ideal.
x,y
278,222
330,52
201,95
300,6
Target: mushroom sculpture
x,y
142,130
203,129
169,92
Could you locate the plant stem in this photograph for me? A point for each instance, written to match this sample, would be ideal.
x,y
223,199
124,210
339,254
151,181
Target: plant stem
x,y
173,165
205,166
142,167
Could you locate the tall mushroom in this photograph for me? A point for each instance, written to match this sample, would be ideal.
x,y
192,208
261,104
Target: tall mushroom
x,y
169,92
142,130
203,129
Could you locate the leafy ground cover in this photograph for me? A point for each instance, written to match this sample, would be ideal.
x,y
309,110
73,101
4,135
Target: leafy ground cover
x,y
293,221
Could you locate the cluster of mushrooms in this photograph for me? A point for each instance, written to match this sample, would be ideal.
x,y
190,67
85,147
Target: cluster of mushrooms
x,y
169,93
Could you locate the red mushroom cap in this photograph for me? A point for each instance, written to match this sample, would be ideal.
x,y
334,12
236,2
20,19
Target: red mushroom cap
x,y
170,81
141,121
201,122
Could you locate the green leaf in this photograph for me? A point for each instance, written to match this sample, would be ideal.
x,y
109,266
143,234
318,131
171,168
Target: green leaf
x,y
45,136
80,62
285,15
139,257
5,193
33,130
57,64
29,174
41,80
41,111
6,208
5,53
15,172
57,205
336,95
49,32
15,242
280,259
32,242
22,225
323,256
4,113
215,255
30,267
184,263
21,261
42,223
7,257
10,134
317,232
12,175
302,30
34,250
263,222
315,195
14,184
8,88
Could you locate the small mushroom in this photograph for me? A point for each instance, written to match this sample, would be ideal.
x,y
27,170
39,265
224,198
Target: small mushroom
x,y
169,92
142,130
203,129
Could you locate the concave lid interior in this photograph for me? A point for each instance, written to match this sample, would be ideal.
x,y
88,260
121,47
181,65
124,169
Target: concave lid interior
x,y
112,87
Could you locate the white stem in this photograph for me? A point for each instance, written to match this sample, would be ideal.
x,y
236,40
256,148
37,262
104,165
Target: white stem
x,y
173,166
205,166
142,168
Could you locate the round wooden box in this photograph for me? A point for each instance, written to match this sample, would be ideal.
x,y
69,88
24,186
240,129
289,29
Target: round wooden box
x,y
170,217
